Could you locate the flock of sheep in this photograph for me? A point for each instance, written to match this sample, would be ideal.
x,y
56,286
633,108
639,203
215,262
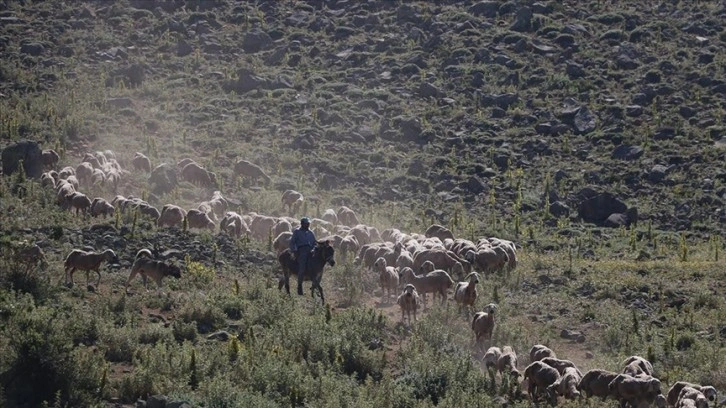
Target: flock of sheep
x,y
408,266
548,377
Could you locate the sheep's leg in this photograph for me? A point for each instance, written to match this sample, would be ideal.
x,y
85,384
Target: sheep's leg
x,y
98,281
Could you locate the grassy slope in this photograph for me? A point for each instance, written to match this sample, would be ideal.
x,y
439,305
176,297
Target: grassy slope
x,y
351,86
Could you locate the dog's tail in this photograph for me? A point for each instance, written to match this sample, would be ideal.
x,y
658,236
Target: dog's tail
x,y
143,252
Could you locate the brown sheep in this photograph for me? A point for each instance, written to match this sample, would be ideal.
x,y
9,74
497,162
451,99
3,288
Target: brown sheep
x,y
196,174
387,277
441,258
330,216
439,231
261,227
282,242
436,282
559,364
183,162
540,377
141,162
291,201
567,384
691,397
31,256
199,220
233,224
490,361
708,391
84,172
100,206
595,383
635,365
628,389
249,170
49,158
64,190
348,245
539,351
348,217
87,261
65,172
465,293
483,323
507,366
78,201
408,301
172,216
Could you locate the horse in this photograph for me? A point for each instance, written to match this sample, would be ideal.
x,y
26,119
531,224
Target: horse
x,y
323,253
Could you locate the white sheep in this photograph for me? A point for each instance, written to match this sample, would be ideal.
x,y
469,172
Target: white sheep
x,y
387,277
409,301
465,293
436,281
50,158
348,217
198,175
483,323
251,171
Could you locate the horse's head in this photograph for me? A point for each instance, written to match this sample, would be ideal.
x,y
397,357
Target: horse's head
x,y
325,252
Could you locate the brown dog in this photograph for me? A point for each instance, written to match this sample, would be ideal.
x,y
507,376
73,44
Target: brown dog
x,y
151,268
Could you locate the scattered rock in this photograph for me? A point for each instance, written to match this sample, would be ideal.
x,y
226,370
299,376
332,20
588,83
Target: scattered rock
x,y
627,152
598,208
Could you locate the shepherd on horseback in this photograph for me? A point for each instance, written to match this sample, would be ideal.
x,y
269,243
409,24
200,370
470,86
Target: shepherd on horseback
x,y
301,245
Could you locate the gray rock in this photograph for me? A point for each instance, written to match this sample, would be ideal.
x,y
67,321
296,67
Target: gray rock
x,y
559,209
627,152
163,179
487,9
597,209
427,90
633,110
657,173
31,155
616,220
666,133
256,40
503,101
585,121
522,20
156,401
178,404
33,49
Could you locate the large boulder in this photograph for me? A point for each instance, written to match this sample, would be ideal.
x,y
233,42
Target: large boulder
x,y
29,153
596,209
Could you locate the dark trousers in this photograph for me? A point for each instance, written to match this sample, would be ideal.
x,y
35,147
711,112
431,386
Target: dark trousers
x,y
302,262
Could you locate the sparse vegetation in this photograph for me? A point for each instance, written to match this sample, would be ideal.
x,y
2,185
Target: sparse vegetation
x,y
409,112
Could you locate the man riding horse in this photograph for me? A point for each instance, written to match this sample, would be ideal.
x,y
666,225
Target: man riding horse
x,y
301,244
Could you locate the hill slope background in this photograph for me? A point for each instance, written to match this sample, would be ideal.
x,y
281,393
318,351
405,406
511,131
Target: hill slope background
x,y
492,118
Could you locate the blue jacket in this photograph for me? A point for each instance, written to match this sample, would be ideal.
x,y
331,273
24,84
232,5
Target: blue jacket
x,y
300,238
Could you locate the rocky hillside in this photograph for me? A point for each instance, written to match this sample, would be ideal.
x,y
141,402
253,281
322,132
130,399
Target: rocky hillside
x,y
508,109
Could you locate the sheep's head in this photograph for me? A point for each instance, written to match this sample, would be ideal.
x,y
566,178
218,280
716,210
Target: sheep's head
x,y
709,392
473,278
491,308
427,267
409,290
380,264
